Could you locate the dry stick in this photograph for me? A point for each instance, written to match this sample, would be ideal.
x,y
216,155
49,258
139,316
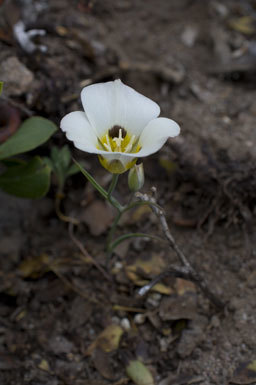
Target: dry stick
x,y
72,287
85,252
187,271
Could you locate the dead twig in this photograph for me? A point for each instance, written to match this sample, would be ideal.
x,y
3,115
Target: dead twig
x,y
23,109
85,252
186,271
58,198
73,287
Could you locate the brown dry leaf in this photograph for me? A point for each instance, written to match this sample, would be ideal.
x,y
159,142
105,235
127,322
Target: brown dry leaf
x,y
167,164
178,307
151,267
245,374
61,31
35,267
139,373
108,340
98,217
44,365
102,363
183,286
244,24
139,213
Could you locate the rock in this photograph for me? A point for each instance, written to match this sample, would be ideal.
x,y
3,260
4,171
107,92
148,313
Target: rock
x,y
192,337
17,78
59,344
189,35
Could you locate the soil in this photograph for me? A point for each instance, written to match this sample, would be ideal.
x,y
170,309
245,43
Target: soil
x,y
197,60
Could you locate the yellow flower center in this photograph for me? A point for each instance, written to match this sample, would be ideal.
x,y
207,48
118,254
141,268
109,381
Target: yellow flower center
x,y
118,140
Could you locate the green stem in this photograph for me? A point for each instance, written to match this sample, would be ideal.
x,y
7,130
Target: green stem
x,y
95,184
113,201
132,235
112,184
113,229
100,189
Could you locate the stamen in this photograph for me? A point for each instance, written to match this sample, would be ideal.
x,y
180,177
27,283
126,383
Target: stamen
x,y
107,147
108,142
130,144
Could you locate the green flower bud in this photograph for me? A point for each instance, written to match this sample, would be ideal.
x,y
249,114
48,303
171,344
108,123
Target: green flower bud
x,y
136,177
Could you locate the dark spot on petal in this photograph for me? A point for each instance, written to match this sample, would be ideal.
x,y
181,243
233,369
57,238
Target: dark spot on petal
x,y
114,131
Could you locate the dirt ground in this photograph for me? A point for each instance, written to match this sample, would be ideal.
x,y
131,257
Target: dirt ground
x,y
197,60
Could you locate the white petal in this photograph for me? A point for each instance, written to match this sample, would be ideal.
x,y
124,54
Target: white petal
x,y
124,159
155,135
78,129
114,103
110,156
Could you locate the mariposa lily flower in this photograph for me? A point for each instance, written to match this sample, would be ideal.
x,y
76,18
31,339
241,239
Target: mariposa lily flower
x,y
118,124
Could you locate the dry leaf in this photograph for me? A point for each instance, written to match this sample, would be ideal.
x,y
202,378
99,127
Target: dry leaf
x,y
108,340
243,24
183,286
151,267
102,363
148,266
44,366
34,267
176,308
245,374
98,217
167,164
139,373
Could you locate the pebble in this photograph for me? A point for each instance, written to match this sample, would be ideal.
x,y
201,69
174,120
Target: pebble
x,y
17,78
154,299
125,323
139,319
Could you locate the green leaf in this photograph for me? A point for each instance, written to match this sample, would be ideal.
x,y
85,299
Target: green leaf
x,y
48,162
32,133
73,169
65,157
29,180
1,87
61,158
12,162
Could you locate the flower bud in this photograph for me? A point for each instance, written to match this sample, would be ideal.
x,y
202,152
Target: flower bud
x,y
136,177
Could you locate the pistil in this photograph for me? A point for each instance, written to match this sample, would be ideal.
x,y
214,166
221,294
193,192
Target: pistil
x,y
118,141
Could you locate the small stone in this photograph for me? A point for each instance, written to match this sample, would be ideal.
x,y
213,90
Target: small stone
x,y
215,321
154,299
17,78
60,344
125,323
189,36
139,319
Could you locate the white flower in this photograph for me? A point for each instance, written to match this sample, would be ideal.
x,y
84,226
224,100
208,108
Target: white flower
x,y
119,124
